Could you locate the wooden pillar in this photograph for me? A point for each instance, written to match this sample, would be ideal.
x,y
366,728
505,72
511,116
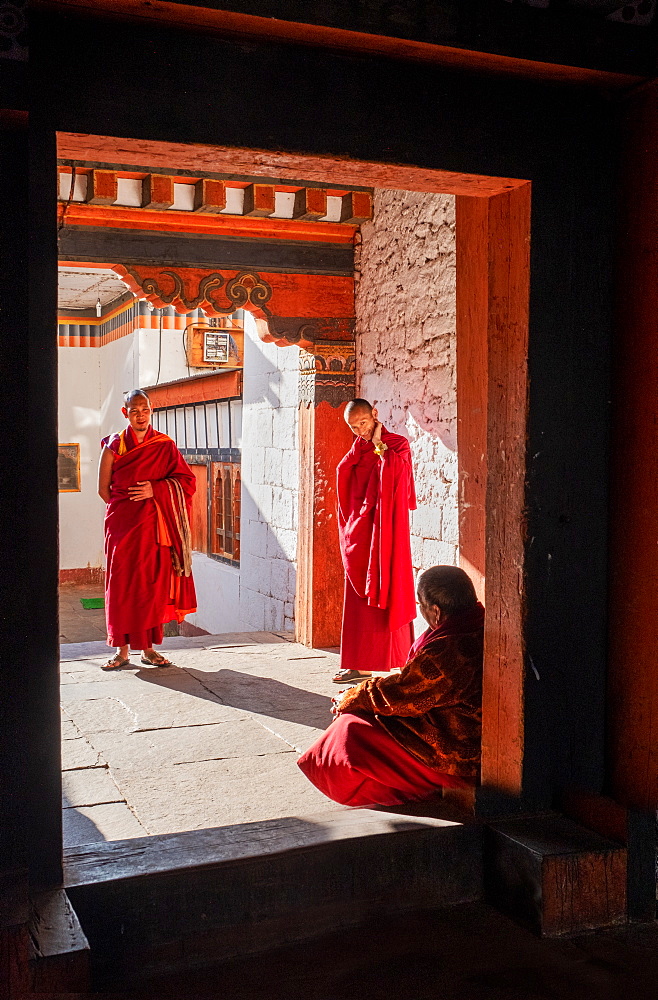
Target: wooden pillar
x,y
326,384
472,225
29,706
493,281
38,651
632,708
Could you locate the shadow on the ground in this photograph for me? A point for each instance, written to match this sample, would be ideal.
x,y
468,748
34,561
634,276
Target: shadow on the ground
x,y
78,828
260,695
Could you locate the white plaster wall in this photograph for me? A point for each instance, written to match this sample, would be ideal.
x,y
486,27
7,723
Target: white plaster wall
x,y
270,483
218,596
170,359
91,383
405,334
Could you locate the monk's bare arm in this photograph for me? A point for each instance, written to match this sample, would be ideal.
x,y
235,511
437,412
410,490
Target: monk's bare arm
x,y
105,474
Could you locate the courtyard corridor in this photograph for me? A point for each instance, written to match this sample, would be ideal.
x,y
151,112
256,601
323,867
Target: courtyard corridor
x,y
211,741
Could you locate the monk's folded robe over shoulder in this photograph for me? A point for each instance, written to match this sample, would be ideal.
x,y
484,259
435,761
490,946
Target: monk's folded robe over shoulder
x,y
147,542
375,496
399,738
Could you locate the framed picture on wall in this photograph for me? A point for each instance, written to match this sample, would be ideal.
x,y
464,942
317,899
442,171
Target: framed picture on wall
x,y
68,468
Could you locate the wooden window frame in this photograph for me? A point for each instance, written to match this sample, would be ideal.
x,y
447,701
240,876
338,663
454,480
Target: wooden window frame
x,y
231,476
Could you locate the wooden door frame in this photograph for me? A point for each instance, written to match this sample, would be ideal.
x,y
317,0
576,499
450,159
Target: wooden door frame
x,y
493,284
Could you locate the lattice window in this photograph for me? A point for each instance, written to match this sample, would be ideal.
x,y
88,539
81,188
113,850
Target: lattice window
x,y
225,513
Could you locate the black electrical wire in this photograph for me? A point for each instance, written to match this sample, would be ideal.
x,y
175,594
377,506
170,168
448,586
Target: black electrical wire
x,y
159,349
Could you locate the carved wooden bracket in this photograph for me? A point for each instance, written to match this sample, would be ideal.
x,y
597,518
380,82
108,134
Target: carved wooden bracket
x,y
327,374
291,308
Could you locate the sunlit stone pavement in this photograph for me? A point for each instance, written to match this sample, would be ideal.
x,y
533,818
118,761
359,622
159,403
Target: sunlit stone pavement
x,y
211,741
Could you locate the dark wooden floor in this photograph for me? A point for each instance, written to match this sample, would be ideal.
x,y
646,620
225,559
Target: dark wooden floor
x,y
466,952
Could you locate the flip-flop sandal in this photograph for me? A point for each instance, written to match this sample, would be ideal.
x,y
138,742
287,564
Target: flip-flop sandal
x,y
350,676
115,663
161,661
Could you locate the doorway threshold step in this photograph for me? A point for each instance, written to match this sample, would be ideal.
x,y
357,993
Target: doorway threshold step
x,y
181,900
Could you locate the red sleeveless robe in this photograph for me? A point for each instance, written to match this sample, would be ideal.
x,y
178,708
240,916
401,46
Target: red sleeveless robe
x,y
148,573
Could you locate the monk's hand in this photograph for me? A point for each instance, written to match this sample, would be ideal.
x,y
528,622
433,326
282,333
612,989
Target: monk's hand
x,y
379,445
335,704
141,491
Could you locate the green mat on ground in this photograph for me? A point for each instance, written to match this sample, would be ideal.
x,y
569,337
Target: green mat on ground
x,y
90,603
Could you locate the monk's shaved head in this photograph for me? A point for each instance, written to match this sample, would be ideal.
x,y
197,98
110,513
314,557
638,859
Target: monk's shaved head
x,y
356,406
448,588
133,394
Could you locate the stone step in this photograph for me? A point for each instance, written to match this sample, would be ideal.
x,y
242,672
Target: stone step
x,y
187,900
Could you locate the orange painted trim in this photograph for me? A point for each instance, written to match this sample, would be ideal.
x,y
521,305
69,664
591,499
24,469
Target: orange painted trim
x,y
210,224
221,385
96,320
85,264
266,163
236,26
134,175
314,296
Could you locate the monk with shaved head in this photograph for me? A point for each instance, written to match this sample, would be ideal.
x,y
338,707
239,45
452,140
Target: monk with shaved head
x,y
375,494
148,488
402,737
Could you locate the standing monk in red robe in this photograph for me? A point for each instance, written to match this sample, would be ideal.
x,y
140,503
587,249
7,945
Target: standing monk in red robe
x,y
148,488
375,494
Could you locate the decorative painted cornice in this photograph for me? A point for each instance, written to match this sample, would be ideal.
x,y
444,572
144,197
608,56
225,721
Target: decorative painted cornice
x,y
286,306
181,194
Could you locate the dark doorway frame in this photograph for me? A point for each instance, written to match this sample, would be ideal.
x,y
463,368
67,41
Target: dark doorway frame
x,y
560,138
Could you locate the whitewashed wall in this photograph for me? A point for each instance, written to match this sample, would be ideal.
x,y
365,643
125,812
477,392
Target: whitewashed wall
x,y
405,331
218,596
270,483
162,358
91,383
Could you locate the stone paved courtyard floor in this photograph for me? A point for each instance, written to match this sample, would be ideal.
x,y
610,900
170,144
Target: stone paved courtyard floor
x,y
78,624
211,741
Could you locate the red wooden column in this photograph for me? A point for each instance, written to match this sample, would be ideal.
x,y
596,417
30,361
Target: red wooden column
x,y
493,280
632,708
326,384
472,224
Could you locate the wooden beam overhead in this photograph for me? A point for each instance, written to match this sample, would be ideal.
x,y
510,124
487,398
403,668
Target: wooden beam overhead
x,y
238,26
102,187
157,191
209,196
259,200
330,171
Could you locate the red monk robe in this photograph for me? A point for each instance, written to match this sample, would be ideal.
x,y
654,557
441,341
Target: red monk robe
x,y
401,737
147,542
375,496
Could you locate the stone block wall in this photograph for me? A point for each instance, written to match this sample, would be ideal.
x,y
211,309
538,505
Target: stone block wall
x,y
405,333
270,483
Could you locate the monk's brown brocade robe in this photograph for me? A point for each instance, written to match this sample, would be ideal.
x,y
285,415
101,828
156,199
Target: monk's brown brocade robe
x,y
433,707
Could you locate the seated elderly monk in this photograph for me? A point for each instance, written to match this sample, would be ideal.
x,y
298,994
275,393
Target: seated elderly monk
x,y
400,737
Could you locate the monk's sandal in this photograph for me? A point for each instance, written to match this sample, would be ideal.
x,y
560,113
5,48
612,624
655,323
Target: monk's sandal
x,y
350,676
115,663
